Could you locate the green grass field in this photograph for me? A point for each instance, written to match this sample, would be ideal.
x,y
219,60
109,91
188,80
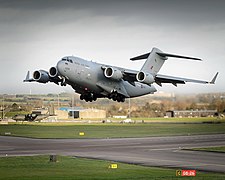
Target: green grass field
x,y
211,149
42,130
39,167
181,120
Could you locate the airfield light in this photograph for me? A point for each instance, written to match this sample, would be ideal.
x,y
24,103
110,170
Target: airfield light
x,y
81,133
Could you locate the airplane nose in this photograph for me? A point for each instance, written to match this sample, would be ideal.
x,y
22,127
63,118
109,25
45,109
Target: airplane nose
x,y
60,67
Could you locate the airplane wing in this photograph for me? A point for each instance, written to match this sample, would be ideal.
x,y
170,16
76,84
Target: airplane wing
x,y
130,76
159,79
55,79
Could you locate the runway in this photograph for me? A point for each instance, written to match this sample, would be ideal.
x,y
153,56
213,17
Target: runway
x,y
149,151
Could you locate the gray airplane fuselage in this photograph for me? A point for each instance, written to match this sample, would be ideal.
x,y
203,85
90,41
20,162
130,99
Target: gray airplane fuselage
x,y
88,77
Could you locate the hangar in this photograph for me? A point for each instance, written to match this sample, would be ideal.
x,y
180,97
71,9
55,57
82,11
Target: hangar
x,y
78,112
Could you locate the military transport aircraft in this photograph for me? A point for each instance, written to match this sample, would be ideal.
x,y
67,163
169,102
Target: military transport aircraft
x,y
30,117
93,80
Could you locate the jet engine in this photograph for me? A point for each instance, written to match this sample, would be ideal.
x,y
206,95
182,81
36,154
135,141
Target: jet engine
x,y
41,76
145,77
53,72
114,74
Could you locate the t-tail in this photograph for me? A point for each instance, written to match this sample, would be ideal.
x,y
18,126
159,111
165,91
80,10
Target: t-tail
x,y
155,60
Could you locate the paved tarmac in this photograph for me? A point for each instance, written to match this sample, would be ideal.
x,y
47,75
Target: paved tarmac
x,y
149,151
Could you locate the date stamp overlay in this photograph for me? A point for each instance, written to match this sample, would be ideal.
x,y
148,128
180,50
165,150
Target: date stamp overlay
x,y
186,172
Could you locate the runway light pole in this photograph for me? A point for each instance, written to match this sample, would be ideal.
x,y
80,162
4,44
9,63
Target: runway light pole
x,y
3,107
129,108
73,106
2,110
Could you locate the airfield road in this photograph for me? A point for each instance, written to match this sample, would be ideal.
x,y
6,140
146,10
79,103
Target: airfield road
x,y
150,151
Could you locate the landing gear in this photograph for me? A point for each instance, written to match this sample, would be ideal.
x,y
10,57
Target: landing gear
x,y
63,82
88,97
116,97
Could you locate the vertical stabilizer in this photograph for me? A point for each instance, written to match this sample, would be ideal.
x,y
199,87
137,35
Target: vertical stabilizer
x,y
153,63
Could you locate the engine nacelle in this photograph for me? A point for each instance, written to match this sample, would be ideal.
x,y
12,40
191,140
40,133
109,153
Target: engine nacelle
x,y
114,74
53,72
41,76
145,78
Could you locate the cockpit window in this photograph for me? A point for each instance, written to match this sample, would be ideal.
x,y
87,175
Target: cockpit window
x,y
67,59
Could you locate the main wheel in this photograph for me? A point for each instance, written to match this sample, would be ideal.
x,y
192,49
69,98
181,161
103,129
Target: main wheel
x,y
81,97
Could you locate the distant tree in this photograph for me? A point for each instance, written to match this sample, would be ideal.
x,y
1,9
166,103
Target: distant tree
x,y
14,107
193,106
180,105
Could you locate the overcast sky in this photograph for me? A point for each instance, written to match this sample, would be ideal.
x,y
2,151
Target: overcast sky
x,y
35,34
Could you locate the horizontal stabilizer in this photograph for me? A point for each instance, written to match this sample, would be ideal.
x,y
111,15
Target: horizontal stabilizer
x,y
164,55
144,56
176,56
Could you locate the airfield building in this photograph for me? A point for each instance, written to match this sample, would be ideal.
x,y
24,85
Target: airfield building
x,y
77,112
191,113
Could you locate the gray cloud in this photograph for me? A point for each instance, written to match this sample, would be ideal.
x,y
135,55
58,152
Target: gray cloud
x,y
35,34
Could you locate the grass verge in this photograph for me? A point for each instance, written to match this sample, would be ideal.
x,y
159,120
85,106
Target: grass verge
x,y
220,149
108,130
39,167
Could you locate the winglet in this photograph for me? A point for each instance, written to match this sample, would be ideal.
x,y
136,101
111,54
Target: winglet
x,y
214,79
28,79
